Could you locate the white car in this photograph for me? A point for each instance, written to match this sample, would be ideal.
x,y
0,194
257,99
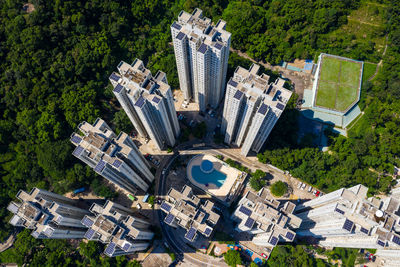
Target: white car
x,y
303,186
138,206
310,188
300,184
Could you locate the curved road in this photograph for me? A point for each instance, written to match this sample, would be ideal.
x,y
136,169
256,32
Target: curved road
x,y
176,245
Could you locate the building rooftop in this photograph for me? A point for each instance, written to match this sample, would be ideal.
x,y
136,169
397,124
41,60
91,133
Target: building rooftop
x,y
186,210
115,225
248,83
200,29
267,219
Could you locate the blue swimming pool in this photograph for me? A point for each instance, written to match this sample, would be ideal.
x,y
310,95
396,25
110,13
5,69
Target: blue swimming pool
x,y
213,177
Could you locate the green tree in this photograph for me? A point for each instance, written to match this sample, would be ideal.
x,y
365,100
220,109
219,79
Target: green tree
x,y
279,188
232,258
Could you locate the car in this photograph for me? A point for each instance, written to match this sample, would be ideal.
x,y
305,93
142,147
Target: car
x,y
317,194
303,186
264,256
209,112
138,206
310,188
315,191
299,185
146,140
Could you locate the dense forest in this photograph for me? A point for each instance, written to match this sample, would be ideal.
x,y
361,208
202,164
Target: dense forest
x,y
55,60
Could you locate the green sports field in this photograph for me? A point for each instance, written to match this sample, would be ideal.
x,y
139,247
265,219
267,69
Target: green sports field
x,y
338,83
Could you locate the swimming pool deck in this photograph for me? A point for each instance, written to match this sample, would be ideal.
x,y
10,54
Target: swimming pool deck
x,y
233,182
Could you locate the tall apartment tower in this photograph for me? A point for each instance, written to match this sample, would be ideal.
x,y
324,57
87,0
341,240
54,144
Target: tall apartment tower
x,y
116,225
116,158
251,109
201,52
49,215
347,218
266,220
148,102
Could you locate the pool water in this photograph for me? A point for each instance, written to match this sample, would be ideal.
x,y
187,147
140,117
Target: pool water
x,y
214,177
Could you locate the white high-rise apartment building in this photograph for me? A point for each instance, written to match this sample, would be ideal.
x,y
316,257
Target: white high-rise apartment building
x,y
49,215
201,52
148,102
251,109
116,225
347,218
116,158
266,220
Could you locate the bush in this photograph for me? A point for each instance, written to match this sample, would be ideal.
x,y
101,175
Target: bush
x,y
232,258
279,188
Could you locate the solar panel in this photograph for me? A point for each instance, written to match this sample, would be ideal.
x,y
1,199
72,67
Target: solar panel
x,y
238,94
363,230
218,46
110,249
290,235
114,77
339,210
118,88
208,231
280,106
126,247
249,223
117,163
245,210
348,225
76,139
165,206
89,234
140,102
396,239
381,243
77,151
87,222
100,166
273,241
169,218
232,83
156,100
176,26
202,48
180,36
190,234
263,109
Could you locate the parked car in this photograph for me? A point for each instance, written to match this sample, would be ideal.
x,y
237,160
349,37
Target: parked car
x,y
138,206
315,192
318,194
310,188
303,186
299,185
264,256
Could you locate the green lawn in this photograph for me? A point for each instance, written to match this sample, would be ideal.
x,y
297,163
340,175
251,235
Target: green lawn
x,y
326,94
350,73
338,84
330,69
346,96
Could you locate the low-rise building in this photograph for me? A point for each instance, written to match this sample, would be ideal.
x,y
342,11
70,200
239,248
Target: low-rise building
x,y
49,215
186,210
116,158
267,220
117,226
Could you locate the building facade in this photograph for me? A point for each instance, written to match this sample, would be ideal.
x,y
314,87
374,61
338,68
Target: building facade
x,y
186,210
347,218
267,220
201,52
49,215
251,109
116,158
115,225
148,102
